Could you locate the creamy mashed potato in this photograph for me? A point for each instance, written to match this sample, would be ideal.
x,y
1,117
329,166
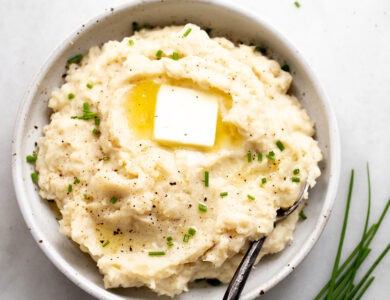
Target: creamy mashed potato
x,y
142,209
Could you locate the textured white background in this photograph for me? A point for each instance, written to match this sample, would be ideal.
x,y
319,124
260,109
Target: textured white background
x,y
347,44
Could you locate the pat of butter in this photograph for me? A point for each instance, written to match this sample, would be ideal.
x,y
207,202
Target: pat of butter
x,y
185,116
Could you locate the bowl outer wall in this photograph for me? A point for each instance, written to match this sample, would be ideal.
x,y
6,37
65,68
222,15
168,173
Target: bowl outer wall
x,y
21,131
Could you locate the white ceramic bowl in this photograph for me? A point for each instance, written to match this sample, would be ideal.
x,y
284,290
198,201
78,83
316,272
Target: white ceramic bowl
x,y
226,20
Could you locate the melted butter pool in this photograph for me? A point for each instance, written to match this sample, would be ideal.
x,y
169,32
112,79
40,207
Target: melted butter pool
x,y
140,107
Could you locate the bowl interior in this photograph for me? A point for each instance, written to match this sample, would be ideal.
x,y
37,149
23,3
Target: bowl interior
x,y
225,21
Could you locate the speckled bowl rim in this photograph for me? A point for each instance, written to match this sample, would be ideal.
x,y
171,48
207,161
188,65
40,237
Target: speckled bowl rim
x,y
61,263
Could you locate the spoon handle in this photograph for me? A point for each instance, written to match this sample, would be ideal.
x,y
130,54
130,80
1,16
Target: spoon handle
x,y
238,281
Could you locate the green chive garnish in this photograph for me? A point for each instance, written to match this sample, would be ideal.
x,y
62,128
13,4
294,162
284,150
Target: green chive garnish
x,y
85,107
202,207
76,180
97,121
271,155
260,49
34,176
251,197
90,86
169,238
223,194
249,156
206,178
114,200
259,157
105,244
297,4
191,231
169,244
175,56
87,115
105,158
31,158
156,253
296,171
135,26
70,187
70,96
159,53
187,32
285,67
302,215
186,238
263,180
75,59
85,196
95,131
280,145
131,42
295,179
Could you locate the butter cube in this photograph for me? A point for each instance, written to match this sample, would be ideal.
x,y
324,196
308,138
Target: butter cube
x,y
185,116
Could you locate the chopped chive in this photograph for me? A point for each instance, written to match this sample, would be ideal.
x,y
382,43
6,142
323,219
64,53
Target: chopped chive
x,y
260,49
297,4
208,31
271,155
186,238
135,26
159,53
95,131
251,197
75,59
259,157
187,32
114,200
191,231
85,196
156,253
341,242
169,238
295,179
34,176
169,244
105,158
131,42
97,121
263,180
70,187
76,180
285,67
105,244
223,194
206,178
70,96
280,145
302,215
175,56
213,281
86,107
296,172
90,86
202,207
31,158
249,156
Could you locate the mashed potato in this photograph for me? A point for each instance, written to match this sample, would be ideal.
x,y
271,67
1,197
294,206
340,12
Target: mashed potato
x,y
140,208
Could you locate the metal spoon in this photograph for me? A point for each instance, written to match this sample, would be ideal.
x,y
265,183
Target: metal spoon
x,y
239,279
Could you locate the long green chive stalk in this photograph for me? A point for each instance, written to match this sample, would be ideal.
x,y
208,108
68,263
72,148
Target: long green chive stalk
x,y
364,233
343,277
342,236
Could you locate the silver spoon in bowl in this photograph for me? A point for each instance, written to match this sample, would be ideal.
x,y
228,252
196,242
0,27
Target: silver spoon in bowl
x,y
241,275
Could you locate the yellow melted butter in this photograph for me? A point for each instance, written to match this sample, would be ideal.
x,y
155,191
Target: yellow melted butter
x,y
140,107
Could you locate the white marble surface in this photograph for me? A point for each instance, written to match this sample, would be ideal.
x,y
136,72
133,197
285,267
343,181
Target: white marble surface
x,y
347,44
